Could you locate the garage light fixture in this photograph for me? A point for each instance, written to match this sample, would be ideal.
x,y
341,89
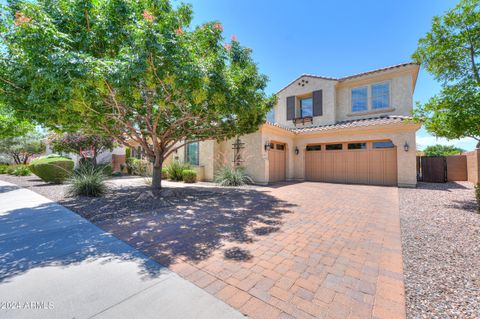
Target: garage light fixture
x,y
296,150
268,146
406,147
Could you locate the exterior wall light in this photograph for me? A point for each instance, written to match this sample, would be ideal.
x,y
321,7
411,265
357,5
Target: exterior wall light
x,y
406,147
268,146
296,150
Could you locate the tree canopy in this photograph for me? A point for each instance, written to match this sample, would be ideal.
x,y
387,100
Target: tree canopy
x,y
134,70
22,148
11,126
77,142
442,150
450,51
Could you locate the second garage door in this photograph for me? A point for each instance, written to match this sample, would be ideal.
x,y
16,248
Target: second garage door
x,y
372,162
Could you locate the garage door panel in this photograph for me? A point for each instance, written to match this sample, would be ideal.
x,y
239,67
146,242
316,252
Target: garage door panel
x,y
276,162
368,166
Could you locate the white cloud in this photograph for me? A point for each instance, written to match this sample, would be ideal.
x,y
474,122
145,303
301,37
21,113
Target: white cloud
x,y
466,143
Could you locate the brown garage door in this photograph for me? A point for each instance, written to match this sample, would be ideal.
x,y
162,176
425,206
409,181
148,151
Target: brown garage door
x,y
353,163
276,162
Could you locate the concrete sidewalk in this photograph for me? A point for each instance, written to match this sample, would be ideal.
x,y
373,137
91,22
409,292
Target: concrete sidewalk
x,y
55,264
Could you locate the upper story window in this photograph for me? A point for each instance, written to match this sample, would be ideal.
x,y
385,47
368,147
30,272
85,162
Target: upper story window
x,y
271,116
380,95
359,99
306,107
372,97
191,154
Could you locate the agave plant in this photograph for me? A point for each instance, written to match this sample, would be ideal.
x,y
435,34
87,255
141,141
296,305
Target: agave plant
x,y
88,180
229,176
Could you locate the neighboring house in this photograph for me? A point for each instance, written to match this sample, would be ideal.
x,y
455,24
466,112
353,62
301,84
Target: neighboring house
x,y
354,129
114,157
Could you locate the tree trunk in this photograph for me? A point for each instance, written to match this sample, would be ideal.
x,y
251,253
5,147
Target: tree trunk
x,y
157,173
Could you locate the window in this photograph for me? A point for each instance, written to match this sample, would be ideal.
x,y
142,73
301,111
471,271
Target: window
x,y
280,147
191,154
360,99
357,146
314,147
385,144
271,116
333,147
380,95
306,107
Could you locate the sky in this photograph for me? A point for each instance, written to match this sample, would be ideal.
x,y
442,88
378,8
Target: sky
x,y
331,38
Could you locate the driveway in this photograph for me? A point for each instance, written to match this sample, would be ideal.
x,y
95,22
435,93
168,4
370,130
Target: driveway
x,y
303,250
55,264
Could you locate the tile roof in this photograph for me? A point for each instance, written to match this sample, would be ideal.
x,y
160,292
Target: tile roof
x,y
372,121
340,79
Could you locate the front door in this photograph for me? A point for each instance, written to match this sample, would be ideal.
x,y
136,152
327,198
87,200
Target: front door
x,y
276,162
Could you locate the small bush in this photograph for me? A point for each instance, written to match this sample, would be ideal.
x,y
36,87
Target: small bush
x,y
52,169
106,169
88,181
164,173
129,161
10,169
477,195
189,176
228,176
3,169
21,170
140,167
175,170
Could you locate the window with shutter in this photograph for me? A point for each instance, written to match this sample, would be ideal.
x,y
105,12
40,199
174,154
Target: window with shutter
x,y
317,103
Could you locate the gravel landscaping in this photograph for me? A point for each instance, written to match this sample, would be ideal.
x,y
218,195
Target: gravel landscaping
x,y
441,250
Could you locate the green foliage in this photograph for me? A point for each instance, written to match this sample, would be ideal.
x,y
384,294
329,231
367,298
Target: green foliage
x,y
164,173
11,126
175,170
3,169
21,148
140,167
21,170
129,161
106,169
128,152
88,181
450,51
442,150
52,169
228,176
189,176
74,142
477,195
133,70
10,169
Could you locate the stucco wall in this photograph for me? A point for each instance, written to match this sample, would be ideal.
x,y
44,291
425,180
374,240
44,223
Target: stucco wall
x,y
253,156
401,96
473,166
328,88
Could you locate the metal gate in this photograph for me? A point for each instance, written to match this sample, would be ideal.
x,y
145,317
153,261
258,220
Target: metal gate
x,y
432,169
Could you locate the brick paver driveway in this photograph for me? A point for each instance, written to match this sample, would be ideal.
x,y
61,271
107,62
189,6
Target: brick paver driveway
x,y
336,253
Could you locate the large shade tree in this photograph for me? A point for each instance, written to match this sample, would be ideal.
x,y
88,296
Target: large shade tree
x,y
451,51
134,70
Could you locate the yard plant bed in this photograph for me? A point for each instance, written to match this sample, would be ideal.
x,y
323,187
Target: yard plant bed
x,y
441,250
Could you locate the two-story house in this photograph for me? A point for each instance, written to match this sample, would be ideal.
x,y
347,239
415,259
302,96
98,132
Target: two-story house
x,y
354,129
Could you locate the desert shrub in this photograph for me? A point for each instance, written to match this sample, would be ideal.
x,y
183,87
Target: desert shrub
x,y
21,170
140,167
477,195
10,169
164,173
175,170
88,180
3,169
229,176
52,169
106,169
189,176
129,161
